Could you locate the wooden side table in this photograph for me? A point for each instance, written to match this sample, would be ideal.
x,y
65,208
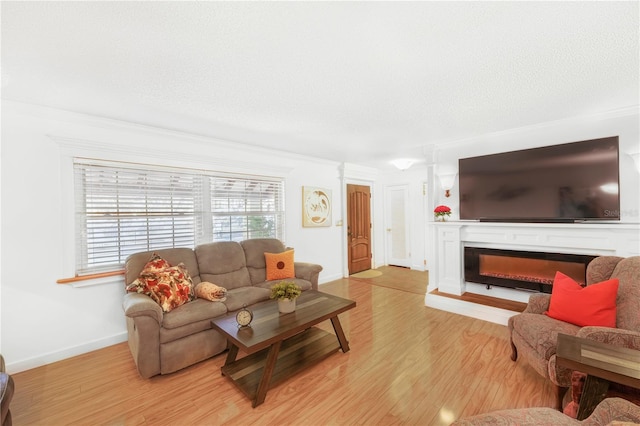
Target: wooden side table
x,y
603,363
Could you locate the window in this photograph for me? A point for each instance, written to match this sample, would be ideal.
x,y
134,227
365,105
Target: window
x,y
122,209
246,208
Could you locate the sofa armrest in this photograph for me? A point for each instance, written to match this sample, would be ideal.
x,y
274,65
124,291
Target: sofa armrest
x,y
309,272
138,305
538,303
614,409
7,390
612,336
144,320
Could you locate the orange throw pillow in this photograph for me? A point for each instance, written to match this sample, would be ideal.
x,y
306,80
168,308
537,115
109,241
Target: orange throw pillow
x,y
279,265
594,304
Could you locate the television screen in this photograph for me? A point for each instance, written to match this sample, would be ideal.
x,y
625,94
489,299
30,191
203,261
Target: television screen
x,y
560,183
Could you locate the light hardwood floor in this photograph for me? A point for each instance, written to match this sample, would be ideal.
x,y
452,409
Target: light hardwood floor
x,y
408,364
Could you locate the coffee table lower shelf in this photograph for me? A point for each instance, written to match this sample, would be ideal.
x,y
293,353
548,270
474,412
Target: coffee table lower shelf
x,y
296,354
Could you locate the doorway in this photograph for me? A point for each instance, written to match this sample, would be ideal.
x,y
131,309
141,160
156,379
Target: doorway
x,y
358,227
397,230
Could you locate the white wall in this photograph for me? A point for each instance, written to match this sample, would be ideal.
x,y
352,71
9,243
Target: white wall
x,y
43,321
623,123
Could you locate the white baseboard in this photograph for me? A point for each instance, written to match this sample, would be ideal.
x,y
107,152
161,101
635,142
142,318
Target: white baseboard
x,y
326,279
473,310
48,358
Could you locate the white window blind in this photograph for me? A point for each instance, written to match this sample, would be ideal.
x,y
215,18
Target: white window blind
x,y
244,208
122,209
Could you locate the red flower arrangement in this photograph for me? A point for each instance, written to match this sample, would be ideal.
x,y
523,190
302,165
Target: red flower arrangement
x,y
442,211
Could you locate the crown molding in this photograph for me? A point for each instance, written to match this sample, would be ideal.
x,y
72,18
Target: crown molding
x,y
599,116
198,160
355,171
44,112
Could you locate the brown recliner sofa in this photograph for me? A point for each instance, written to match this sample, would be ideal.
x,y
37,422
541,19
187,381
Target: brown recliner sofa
x,y
534,336
164,342
7,388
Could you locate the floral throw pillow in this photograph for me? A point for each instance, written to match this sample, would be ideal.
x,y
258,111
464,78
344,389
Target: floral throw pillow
x,y
169,286
155,264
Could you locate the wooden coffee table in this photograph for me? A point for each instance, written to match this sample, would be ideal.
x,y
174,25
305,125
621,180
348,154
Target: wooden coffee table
x,y
280,345
603,363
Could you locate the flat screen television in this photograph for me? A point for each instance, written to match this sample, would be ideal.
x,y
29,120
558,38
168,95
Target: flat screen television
x,y
569,182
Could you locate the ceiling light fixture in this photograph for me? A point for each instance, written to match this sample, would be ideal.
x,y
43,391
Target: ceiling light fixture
x,y
403,163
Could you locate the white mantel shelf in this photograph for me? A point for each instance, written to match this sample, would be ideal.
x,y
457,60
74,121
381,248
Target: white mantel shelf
x,y
609,238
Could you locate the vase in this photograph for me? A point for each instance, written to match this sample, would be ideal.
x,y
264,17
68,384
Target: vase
x,y
441,218
286,306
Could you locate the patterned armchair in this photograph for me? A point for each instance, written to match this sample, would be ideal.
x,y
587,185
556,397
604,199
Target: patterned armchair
x,y
534,335
609,412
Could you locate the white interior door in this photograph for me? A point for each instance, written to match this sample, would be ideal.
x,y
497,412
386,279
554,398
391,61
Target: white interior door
x,y
397,230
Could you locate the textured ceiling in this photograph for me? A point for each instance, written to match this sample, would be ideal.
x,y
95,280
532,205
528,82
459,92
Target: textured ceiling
x,y
361,82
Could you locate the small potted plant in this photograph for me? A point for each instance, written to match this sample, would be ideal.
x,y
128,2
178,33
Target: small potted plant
x,y
286,292
442,212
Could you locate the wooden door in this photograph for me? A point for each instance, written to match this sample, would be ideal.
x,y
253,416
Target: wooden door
x,y
359,227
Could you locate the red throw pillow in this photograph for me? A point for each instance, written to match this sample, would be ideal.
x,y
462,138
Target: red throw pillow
x,y
594,304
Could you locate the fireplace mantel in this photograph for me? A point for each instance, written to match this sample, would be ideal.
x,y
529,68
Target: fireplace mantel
x,y
447,274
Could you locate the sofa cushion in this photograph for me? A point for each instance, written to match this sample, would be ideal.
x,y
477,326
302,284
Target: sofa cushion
x,y
238,297
223,263
197,310
254,250
594,304
279,265
169,286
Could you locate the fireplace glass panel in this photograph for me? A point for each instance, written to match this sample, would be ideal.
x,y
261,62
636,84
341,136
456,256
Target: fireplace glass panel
x,y
529,270
522,269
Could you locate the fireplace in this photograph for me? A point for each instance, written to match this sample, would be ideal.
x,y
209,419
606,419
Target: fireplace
x,y
524,270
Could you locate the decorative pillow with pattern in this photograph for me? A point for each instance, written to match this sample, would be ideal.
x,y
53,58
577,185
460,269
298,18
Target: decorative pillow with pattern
x,y
155,264
169,286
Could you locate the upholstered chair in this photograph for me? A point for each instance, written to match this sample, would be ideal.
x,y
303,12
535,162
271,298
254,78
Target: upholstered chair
x,y
6,394
534,335
609,411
